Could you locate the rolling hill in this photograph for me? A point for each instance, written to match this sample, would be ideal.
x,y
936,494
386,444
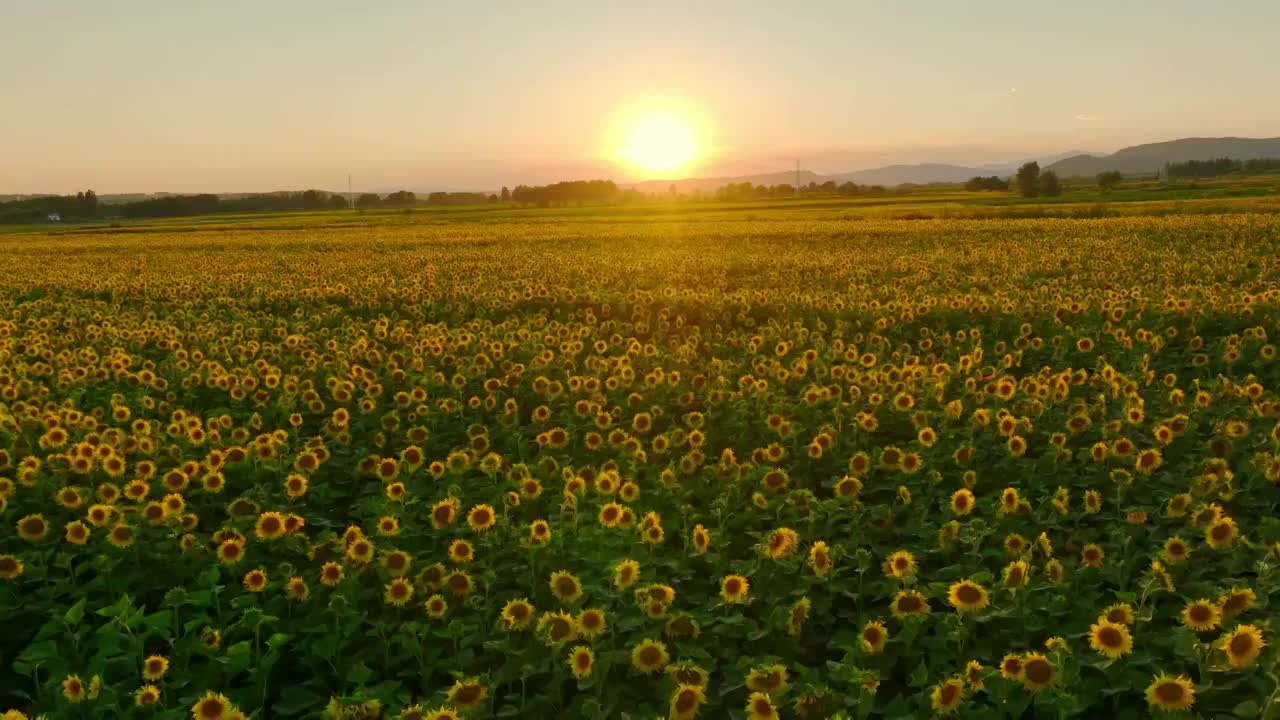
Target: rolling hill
x,y
1152,157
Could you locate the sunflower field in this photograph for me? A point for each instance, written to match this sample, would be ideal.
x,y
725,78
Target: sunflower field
x,y
660,467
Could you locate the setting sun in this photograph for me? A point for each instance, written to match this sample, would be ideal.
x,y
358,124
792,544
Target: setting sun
x,y
660,142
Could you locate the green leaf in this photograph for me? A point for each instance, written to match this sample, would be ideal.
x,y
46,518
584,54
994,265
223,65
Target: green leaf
x,y
74,614
920,676
295,700
239,656
34,656
1247,709
159,622
360,674
278,640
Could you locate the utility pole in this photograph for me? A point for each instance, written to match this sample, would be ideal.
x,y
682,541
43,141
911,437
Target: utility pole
x,y
350,198
797,176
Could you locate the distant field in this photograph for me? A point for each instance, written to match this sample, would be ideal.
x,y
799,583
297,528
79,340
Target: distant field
x,y
724,460
1251,194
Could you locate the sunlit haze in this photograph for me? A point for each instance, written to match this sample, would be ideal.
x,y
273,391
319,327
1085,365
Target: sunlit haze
x,y
145,96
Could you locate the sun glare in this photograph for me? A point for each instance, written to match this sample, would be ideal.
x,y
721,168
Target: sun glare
x,y
660,142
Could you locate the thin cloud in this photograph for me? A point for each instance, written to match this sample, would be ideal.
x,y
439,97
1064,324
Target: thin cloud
x,y
1086,117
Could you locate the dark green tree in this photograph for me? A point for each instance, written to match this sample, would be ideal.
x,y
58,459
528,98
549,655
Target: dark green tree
x,y
1028,179
1049,185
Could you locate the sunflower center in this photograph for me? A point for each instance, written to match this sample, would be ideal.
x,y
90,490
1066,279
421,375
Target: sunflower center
x,y
1111,637
1039,671
1170,692
1241,645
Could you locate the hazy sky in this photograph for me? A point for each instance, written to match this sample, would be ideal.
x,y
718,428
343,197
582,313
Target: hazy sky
x,y
141,95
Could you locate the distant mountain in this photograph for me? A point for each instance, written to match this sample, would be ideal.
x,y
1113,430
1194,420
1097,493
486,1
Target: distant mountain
x,y
921,174
1152,157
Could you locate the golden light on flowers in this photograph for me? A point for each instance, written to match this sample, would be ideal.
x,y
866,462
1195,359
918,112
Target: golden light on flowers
x,y
832,409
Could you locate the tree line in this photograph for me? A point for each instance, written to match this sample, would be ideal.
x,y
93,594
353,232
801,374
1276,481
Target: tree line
x,y
82,205
1221,166
746,191
565,192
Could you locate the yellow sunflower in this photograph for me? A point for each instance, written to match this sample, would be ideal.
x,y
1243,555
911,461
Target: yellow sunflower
x,y
874,637
581,661
1242,645
1012,667
1171,692
1221,533
11,567
1038,672
517,614
154,667
909,602
398,592
625,574
760,707
481,517
557,628
685,702
467,693
968,596
769,679
900,564
566,587
947,695
1110,639
592,623
649,656
734,589
1201,615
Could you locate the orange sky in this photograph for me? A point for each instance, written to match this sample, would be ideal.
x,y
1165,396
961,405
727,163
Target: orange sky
x,y
249,96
